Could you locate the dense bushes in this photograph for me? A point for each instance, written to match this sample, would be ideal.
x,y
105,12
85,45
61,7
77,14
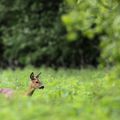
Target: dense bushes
x,y
29,29
33,33
93,18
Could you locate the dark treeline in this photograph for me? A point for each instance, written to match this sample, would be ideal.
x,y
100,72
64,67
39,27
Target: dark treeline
x,y
31,32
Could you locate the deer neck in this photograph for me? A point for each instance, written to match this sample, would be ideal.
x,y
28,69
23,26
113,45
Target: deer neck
x,y
30,91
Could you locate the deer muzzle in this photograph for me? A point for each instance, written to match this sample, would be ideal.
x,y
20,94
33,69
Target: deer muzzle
x,y
41,87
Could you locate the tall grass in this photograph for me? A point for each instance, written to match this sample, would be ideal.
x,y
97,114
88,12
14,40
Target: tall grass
x,y
69,95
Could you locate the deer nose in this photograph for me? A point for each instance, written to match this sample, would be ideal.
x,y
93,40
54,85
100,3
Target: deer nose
x,y
41,87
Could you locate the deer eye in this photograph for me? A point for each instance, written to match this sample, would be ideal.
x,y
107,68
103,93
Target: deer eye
x,y
37,82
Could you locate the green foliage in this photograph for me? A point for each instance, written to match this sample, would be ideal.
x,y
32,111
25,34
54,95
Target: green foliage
x,y
93,18
68,94
32,33
99,18
30,30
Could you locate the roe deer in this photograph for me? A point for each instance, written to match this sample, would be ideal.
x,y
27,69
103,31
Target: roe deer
x,y
34,84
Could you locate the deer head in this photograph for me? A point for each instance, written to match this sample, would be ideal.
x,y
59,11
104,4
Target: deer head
x,y
35,81
34,84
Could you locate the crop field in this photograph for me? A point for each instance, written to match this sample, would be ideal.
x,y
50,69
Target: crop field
x,y
69,94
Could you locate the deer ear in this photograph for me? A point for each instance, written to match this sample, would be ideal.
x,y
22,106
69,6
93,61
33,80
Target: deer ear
x,y
38,75
32,76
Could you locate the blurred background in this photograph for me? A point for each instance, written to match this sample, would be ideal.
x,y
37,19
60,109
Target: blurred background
x,y
62,33
49,36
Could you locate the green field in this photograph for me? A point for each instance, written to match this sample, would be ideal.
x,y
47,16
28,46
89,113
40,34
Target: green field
x,y
68,95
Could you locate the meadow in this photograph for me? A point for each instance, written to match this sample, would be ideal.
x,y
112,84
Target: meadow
x,y
69,94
